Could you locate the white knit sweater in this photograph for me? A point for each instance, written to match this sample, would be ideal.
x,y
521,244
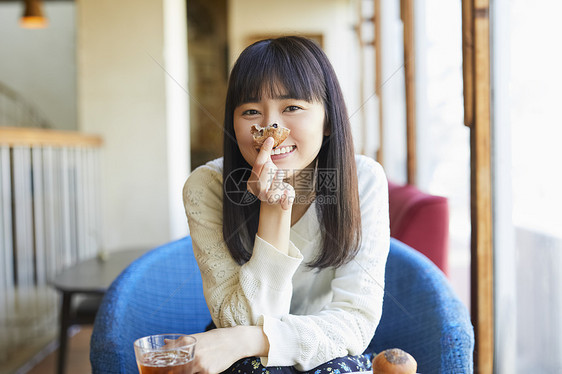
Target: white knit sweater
x,y
309,316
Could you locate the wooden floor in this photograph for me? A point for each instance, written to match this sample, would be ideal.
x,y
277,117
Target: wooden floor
x,y
78,356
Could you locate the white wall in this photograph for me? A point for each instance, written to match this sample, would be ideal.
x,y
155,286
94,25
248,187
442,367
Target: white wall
x,y
393,91
333,19
41,64
177,111
122,83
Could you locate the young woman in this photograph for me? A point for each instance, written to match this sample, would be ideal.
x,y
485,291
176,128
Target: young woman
x,y
291,242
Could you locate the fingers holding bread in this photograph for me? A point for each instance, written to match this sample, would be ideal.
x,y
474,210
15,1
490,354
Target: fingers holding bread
x,y
263,171
266,180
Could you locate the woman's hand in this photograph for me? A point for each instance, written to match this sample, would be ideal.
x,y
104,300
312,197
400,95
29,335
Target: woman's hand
x,y
214,352
217,350
266,181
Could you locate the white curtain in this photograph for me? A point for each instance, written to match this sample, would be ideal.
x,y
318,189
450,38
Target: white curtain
x,y
527,221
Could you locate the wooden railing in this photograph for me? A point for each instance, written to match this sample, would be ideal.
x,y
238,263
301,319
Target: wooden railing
x,y
49,219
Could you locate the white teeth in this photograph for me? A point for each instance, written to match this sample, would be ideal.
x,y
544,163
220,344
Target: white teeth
x,y
279,151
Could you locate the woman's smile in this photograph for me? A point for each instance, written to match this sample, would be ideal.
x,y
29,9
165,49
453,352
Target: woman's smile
x,y
282,151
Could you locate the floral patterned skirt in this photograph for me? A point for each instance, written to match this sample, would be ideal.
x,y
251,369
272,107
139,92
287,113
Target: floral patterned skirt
x,y
348,364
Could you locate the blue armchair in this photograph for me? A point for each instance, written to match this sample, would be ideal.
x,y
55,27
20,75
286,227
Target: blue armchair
x,y
162,292
422,315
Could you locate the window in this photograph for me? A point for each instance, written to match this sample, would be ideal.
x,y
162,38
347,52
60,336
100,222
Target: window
x,y
528,223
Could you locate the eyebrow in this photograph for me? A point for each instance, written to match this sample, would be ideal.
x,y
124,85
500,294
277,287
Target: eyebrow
x,y
254,100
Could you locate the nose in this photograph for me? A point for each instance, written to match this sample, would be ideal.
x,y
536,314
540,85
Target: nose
x,y
271,118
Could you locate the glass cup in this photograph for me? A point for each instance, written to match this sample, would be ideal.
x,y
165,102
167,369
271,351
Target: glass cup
x,y
165,353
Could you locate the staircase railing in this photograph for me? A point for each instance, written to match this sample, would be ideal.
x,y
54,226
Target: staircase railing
x,y
49,219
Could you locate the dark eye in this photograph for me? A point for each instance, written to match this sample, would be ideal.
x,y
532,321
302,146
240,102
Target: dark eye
x,y
250,112
292,108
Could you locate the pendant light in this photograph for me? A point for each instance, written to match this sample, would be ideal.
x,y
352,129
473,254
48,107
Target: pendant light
x,y
33,17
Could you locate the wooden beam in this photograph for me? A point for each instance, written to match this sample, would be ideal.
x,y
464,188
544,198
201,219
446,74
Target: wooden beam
x,y
407,14
362,45
477,91
468,61
24,136
378,77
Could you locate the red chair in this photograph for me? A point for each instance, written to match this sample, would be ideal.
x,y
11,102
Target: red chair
x,y
420,220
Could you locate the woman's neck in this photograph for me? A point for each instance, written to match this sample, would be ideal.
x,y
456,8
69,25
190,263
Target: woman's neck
x,y
304,183
298,210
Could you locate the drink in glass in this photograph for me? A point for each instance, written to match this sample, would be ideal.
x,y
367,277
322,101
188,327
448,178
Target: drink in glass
x,y
165,353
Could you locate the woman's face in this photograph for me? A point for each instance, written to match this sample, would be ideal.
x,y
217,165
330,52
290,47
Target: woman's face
x,y
304,119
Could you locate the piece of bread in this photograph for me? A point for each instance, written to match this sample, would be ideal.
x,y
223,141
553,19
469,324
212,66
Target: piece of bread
x,y
394,361
278,133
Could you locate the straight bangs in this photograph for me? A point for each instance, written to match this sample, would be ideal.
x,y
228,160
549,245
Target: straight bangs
x,y
269,69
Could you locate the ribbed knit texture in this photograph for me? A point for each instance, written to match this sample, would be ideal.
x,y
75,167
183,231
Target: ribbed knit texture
x,y
309,316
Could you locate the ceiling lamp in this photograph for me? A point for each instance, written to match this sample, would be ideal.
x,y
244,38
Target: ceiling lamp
x,y
33,17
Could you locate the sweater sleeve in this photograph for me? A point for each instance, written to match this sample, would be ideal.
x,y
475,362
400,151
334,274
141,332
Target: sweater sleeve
x,y
235,295
346,325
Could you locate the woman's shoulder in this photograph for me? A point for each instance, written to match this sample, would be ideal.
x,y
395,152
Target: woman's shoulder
x,y
371,178
204,184
213,167
368,166
207,173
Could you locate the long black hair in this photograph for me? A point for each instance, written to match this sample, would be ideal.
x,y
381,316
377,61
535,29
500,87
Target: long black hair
x,y
297,67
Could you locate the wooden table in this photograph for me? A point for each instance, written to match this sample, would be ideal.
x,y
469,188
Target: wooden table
x,y
90,280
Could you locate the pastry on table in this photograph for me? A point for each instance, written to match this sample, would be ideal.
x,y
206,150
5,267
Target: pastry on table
x,y
394,361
